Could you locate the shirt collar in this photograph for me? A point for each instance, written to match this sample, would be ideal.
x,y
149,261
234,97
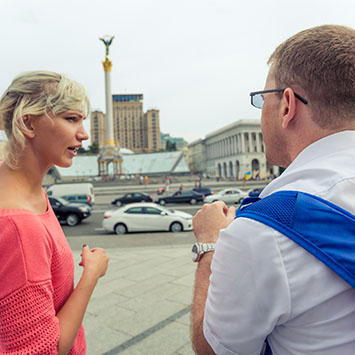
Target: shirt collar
x,y
331,144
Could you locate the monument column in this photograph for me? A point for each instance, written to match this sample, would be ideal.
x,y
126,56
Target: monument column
x,y
110,153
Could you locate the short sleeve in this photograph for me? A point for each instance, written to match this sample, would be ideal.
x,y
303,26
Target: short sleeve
x,y
248,293
28,323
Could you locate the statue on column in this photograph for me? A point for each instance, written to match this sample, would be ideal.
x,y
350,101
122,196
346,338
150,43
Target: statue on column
x,y
107,41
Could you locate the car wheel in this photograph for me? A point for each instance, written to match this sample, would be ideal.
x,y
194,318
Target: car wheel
x,y
240,200
193,201
162,202
176,227
72,219
120,228
118,203
214,201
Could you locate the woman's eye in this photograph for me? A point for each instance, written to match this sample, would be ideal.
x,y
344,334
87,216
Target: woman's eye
x,y
73,119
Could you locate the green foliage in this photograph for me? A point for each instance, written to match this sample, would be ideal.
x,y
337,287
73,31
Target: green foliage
x,y
82,150
93,148
170,146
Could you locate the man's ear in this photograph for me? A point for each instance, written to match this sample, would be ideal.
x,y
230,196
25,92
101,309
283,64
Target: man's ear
x,y
26,126
288,107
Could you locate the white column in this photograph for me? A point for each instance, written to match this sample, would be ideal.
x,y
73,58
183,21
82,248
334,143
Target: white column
x,y
249,142
109,114
243,142
258,148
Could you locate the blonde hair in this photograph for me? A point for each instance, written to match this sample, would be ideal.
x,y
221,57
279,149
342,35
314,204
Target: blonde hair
x,y
320,62
36,93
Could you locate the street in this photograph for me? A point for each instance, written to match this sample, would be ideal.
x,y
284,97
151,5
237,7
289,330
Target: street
x,y
142,305
90,230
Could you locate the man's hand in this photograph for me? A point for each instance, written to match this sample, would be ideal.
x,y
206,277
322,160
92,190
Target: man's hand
x,y
210,219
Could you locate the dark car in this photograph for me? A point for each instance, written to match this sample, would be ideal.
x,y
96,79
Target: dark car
x,y
188,196
69,213
203,190
79,198
132,197
255,192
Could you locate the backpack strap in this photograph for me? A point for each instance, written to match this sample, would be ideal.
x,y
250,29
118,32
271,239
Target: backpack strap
x,y
322,228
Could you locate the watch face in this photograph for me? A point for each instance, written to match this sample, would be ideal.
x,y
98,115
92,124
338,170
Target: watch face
x,y
194,252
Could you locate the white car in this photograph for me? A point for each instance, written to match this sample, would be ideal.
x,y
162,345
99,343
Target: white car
x,y
229,196
141,217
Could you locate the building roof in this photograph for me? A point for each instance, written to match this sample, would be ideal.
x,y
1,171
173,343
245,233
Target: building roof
x,y
148,163
239,123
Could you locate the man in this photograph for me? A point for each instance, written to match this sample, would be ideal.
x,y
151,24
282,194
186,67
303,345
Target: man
x,y
258,284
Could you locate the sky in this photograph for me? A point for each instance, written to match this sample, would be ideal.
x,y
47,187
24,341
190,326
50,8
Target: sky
x,y
194,60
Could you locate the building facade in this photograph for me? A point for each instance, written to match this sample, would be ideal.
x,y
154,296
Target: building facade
x,y
132,128
97,128
152,140
196,156
235,151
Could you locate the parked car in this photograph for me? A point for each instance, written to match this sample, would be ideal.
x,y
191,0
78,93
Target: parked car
x,y
142,217
68,212
203,190
132,197
229,196
187,196
79,198
72,189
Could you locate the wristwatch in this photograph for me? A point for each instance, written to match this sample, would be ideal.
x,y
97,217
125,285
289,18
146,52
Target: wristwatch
x,y
198,249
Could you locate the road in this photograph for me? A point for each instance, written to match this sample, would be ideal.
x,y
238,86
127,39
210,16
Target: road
x,y
91,232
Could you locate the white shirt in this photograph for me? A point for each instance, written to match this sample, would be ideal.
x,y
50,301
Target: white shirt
x,y
263,283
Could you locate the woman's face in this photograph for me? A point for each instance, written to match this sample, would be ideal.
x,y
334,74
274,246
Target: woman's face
x,y
56,139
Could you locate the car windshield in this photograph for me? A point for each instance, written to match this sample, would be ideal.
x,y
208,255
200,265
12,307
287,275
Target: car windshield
x,y
62,200
164,209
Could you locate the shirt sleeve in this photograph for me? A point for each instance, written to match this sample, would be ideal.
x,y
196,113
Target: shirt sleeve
x,y
28,323
248,293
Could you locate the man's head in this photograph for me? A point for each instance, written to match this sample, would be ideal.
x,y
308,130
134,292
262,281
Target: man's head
x,y
319,64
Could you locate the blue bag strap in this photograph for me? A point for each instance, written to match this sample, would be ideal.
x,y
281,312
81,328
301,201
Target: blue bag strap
x,y
322,228
319,226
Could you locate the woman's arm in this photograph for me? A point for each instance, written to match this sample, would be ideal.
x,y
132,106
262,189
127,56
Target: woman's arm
x,y
95,263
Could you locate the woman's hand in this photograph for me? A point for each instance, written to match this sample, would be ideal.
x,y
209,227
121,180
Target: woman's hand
x,y
95,261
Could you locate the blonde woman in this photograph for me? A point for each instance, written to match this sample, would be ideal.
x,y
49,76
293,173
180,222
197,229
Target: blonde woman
x,y
40,310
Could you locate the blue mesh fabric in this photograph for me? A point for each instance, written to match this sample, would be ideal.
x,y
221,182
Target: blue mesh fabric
x,y
278,207
320,227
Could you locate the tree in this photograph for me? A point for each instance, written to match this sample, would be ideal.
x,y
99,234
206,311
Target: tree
x,y
93,148
82,150
170,146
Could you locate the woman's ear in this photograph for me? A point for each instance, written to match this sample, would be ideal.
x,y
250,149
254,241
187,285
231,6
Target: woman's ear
x,y
26,126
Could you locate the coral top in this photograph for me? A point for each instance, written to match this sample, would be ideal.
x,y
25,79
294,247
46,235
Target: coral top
x,y
36,278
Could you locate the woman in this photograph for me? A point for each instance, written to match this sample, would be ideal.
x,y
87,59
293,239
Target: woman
x,y
40,311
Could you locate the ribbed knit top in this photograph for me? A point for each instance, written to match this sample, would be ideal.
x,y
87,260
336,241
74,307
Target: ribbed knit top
x,y
36,278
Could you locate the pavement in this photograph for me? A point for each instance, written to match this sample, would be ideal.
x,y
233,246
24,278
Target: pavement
x,y
142,305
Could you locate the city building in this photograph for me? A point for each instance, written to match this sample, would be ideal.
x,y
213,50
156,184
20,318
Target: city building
x,y
179,142
235,151
97,128
132,128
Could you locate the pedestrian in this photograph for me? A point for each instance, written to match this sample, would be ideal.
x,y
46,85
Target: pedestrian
x,y
146,180
259,283
40,310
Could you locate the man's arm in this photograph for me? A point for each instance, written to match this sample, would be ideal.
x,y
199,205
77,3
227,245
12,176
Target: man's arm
x,y
203,272
207,223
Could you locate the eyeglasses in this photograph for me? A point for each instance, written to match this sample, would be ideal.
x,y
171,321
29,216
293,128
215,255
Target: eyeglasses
x,y
257,99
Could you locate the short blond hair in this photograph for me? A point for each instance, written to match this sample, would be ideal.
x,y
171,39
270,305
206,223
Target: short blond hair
x,y
321,62
36,93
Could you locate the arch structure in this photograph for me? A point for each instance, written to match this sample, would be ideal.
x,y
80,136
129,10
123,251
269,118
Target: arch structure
x,y
234,152
110,155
